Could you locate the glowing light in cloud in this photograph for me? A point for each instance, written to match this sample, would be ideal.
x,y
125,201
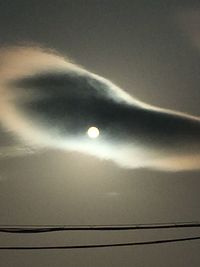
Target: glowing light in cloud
x,y
93,132
48,102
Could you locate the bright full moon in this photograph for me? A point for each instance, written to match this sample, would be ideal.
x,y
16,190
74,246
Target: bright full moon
x,y
93,132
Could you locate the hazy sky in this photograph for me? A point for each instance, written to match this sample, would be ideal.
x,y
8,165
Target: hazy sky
x,y
152,51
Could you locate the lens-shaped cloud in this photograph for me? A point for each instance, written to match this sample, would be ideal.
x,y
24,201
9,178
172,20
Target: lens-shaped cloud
x,y
49,102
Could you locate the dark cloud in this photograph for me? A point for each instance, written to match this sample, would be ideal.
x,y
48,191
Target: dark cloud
x,y
52,103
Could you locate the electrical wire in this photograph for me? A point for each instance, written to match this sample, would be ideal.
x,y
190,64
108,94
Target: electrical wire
x,y
93,246
30,229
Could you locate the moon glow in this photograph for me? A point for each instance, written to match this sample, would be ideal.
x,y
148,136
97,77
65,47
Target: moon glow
x,y
93,132
48,102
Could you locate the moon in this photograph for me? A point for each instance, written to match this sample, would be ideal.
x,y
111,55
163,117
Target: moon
x,y
93,132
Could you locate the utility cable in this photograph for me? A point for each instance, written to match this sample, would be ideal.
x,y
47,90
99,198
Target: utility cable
x,y
92,246
30,229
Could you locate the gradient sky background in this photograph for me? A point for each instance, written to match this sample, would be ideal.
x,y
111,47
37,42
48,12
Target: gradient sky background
x,y
152,50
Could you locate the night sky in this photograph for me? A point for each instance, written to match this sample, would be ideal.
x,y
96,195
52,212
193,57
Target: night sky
x,y
152,50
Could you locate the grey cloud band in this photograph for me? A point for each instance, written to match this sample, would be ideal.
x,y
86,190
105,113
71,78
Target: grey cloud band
x,y
47,101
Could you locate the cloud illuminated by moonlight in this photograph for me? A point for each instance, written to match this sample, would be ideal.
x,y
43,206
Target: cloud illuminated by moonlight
x,y
49,102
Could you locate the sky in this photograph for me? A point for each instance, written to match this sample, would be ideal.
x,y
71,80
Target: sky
x,y
151,50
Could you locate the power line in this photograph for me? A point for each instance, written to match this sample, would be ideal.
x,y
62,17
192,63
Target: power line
x,y
92,246
30,229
